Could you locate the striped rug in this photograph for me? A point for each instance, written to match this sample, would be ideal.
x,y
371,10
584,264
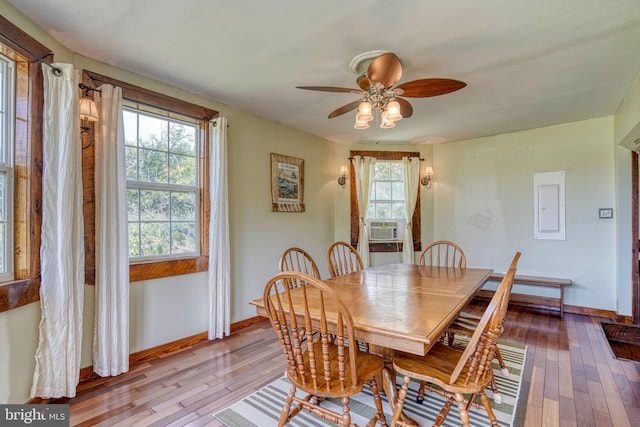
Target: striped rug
x,y
262,408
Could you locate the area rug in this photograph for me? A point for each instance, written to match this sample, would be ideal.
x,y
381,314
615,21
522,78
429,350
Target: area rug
x,y
262,408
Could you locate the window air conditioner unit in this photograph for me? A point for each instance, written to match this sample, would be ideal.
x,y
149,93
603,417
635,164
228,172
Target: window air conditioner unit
x,y
386,230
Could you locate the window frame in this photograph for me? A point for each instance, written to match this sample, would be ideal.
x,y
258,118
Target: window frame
x,y
157,268
355,214
6,167
28,54
168,187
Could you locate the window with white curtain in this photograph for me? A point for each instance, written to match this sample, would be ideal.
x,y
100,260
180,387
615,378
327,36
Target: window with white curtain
x,y
7,120
387,197
163,188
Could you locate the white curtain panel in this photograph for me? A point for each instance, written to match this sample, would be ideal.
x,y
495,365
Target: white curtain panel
x,y
364,168
111,322
62,249
411,171
219,261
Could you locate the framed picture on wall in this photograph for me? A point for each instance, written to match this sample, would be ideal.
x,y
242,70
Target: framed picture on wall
x,y
287,183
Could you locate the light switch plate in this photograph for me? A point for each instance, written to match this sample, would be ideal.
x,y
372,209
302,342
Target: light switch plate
x,y
605,213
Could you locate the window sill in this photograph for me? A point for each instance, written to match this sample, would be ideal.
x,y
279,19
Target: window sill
x,y
389,246
166,268
18,293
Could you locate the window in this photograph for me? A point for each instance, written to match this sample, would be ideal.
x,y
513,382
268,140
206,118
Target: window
x,y
387,191
20,165
166,150
386,201
7,120
162,185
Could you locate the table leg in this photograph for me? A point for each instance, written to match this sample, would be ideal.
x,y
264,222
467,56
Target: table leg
x,y
388,380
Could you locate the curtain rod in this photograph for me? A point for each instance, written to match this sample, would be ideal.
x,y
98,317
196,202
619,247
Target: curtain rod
x,y
420,158
34,58
87,88
215,123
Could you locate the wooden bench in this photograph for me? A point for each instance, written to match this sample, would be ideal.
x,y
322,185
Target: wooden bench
x,y
534,281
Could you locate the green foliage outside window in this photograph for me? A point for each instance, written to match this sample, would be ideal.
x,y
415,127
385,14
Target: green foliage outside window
x,y
162,190
387,191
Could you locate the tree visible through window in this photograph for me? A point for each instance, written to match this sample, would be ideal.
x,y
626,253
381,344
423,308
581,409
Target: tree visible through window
x,y
387,191
162,185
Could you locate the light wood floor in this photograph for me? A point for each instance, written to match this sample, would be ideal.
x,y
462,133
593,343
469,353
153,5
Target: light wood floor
x,y
576,381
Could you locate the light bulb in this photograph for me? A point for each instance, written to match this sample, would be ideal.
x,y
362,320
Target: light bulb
x,y
88,110
393,110
361,124
385,122
364,111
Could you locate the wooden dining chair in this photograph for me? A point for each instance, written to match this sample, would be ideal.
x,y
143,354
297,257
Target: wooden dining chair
x,y
297,259
342,258
325,367
460,375
466,323
443,253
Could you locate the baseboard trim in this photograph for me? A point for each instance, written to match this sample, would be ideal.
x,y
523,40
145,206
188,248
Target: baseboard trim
x,y
135,359
171,347
551,304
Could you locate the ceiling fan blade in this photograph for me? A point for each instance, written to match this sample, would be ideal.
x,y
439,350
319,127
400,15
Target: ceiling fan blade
x,y
424,88
345,108
405,108
385,69
329,89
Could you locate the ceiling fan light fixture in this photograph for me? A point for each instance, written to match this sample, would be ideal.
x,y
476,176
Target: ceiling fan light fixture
x,y
393,110
378,75
386,123
365,112
361,124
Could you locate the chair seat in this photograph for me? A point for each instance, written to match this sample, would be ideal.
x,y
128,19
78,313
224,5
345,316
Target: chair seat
x,y
436,368
369,365
465,326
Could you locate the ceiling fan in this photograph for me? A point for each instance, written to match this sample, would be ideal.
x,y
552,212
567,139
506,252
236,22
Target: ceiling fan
x,y
378,93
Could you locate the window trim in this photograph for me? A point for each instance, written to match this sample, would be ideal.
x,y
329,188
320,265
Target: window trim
x,y
355,215
153,269
195,189
25,288
6,167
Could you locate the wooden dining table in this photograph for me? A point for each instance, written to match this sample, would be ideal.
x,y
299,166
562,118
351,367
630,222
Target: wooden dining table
x,y
403,307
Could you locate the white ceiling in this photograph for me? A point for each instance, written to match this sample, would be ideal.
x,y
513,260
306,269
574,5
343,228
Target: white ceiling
x,y
527,63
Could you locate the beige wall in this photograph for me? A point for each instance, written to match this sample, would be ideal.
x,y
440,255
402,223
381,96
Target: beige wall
x,y
484,201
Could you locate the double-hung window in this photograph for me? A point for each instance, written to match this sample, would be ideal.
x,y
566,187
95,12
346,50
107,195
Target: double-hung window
x,y
7,120
163,188
387,191
167,173
21,99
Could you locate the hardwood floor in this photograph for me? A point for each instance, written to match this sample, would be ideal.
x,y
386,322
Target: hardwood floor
x,y
576,381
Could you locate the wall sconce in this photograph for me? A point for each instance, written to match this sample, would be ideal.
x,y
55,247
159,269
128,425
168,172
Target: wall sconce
x,y
342,179
88,113
427,177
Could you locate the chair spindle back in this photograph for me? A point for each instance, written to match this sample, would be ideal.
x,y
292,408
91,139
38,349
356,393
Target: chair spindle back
x,y
443,253
342,258
329,324
297,259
